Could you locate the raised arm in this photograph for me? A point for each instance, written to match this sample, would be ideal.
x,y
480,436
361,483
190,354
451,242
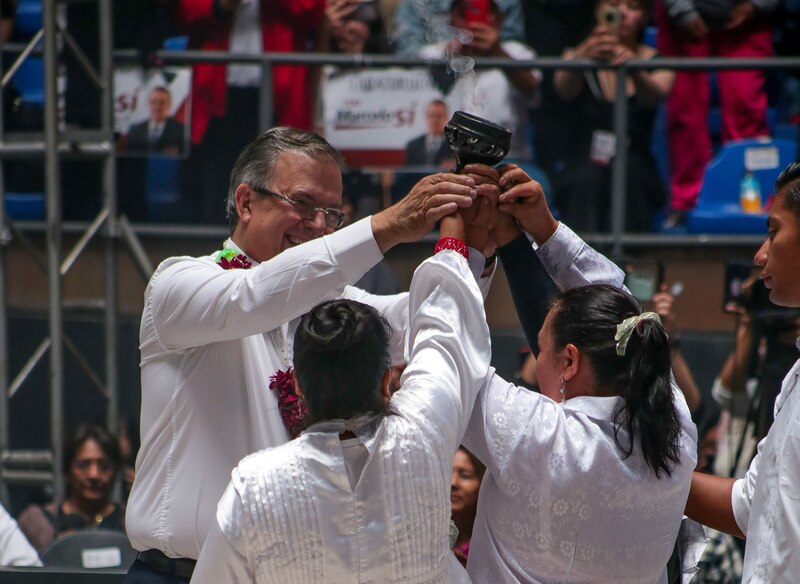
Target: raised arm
x,y
193,302
449,347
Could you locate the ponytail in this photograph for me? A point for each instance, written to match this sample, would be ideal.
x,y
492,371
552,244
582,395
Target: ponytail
x,y
639,373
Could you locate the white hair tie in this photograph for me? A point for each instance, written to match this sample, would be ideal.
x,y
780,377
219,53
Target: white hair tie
x,y
626,327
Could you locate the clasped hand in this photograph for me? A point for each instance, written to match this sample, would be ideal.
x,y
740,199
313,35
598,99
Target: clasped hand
x,y
508,201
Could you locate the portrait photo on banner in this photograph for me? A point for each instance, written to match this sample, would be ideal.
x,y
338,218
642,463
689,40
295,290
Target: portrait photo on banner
x,y
151,111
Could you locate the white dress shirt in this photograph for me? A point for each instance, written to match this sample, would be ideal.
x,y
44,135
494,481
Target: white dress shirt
x,y
210,340
290,513
15,549
559,502
766,502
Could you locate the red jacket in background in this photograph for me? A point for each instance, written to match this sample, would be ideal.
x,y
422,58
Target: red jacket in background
x,y
286,26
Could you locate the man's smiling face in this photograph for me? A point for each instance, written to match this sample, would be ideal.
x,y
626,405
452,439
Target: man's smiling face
x,y
267,226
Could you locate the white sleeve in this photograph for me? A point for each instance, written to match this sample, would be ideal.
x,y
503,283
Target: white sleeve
x,y
15,549
223,557
192,302
572,263
449,344
742,492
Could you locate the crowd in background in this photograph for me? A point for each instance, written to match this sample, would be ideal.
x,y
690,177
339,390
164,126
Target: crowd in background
x,y
562,119
563,123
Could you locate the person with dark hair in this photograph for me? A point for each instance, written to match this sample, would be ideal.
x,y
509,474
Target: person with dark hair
x,y
468,473
362,494
582,185
91,462
217,331
160,133
764,505
701,29
351,27
608,445
430,149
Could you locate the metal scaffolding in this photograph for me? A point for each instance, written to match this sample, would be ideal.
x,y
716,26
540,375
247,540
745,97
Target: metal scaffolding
x,y
53,40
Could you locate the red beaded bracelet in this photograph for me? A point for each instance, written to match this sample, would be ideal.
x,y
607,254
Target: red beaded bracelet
x,y
452,243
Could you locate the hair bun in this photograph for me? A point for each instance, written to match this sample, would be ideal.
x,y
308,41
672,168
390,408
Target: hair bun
x,y
336,325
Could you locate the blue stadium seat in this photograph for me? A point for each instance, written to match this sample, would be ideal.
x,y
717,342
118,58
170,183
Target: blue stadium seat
x,y
718,209
29,81
28,18
25,206
162,184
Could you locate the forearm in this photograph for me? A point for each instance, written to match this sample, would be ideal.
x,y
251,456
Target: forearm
x,y
532,289
568,83
523,80
685,381
194,302
734,371
710,503
449,347
652,87
572,263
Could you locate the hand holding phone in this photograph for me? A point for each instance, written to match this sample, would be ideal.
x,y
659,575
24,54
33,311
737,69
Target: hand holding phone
x,y
609,17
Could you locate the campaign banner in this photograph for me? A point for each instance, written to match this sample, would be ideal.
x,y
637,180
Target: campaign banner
x,y
380,109
152,110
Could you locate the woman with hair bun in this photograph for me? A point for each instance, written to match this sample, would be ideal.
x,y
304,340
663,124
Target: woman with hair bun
x,y
587,481
363,494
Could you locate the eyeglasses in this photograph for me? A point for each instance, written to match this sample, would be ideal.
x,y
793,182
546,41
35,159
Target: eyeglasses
x,y
334,218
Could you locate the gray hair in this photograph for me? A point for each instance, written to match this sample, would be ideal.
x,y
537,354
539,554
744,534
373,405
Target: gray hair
x,y
256,163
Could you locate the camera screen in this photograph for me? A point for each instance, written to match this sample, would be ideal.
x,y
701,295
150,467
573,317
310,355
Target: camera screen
x,y
643,279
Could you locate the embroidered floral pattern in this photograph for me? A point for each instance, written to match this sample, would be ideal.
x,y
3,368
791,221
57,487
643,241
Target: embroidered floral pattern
x,y
228,259
293,409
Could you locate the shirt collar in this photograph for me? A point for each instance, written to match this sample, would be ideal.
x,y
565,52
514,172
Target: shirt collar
x,y
602,408
229,244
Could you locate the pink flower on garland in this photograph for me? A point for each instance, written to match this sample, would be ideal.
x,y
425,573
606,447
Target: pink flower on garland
x,y
228,259
293,409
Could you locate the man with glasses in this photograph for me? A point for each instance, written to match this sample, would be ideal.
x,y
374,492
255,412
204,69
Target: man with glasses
x,y
217,331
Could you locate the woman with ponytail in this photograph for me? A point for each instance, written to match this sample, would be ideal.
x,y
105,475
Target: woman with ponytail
x,y
587,481
363,494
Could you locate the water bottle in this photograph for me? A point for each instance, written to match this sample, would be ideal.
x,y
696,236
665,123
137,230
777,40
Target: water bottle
x,y
750,194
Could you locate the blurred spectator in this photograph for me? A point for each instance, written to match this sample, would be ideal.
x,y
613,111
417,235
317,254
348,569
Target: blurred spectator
x,y
703,28
500,95
160,134
551,26
750,379
7,11
225,99
388,8
15,549
468,473
430,149
91,462
423,22
663,304
583,184
352,27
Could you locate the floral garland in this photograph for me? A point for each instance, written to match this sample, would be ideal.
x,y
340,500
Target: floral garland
x,y
228,259
292,408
